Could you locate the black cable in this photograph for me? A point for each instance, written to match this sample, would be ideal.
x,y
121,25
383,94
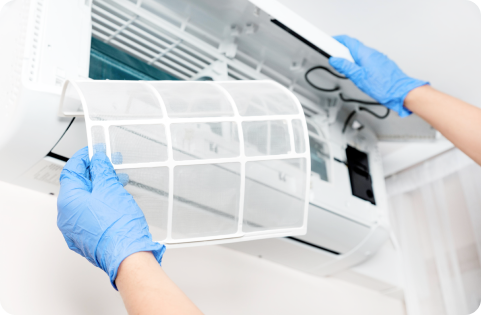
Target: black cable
x,y
349,117
348,100
374,114
366,110
347,120
328,70
336,88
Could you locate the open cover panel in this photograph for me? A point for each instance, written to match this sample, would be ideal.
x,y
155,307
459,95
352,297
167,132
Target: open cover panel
x,y
207,162
257,39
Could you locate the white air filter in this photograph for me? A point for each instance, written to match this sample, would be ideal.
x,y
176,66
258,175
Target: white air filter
x,y
207,162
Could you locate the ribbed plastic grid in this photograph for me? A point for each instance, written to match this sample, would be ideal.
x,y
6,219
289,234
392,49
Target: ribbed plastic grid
x,y
207,162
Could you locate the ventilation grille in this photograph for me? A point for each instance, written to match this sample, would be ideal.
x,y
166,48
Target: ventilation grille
x,y
156,46
39,9
178,47
13,30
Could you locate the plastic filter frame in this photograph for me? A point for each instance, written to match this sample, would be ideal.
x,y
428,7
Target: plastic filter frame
x,y
207,162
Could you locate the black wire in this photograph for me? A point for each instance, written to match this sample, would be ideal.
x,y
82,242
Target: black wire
x,y
336,88
347,120
328,70
348,100
366,110
374,114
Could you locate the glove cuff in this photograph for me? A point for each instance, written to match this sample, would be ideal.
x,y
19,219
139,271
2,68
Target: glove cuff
x,y
131,236
397,104
156,249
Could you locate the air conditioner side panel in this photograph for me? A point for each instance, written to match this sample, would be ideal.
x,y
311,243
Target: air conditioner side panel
x,y
65,42
56,45
33,132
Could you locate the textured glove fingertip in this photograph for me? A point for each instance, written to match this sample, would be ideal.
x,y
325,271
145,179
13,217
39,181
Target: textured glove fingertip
x,y
337,63
100,147
123,178
78,164
80,154
344,66
101,169
343,39
100,158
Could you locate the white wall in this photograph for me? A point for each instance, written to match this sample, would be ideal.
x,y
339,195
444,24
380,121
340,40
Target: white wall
x,y
40,275
434,40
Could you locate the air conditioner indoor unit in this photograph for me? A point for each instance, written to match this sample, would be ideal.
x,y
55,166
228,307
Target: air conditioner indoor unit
x,y
51,41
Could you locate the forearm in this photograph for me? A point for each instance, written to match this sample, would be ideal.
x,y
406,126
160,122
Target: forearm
x,y
146,289
458,121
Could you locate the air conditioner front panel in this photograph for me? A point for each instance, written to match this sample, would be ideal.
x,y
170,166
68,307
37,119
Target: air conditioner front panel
x,y
333,232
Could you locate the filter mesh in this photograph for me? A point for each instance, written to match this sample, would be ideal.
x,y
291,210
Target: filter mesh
x,y
120,100
138,144
193,99
150,189
299,142
205,140
98,139
206,200
260,99
274,194
266,137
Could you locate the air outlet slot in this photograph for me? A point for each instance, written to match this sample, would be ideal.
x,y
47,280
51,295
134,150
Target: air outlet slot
x,y
179,46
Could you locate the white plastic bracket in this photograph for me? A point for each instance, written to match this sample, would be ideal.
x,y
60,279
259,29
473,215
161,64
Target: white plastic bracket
x,y
217,71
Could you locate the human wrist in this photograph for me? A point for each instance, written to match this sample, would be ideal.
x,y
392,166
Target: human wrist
x,y
413,99
136,272
133,262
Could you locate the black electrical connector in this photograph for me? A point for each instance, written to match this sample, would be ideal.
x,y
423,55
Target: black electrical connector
x,y
359,174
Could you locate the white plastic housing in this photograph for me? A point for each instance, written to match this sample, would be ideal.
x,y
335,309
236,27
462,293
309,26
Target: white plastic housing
x,y
225,161
43,42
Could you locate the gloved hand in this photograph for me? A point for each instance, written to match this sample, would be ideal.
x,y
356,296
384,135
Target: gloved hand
x,y
98,218
376,75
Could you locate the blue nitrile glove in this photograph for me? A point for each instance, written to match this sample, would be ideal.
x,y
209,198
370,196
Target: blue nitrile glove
x,y
98,218
376,75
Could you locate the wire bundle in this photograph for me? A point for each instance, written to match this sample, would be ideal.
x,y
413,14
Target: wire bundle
x,y
341,96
